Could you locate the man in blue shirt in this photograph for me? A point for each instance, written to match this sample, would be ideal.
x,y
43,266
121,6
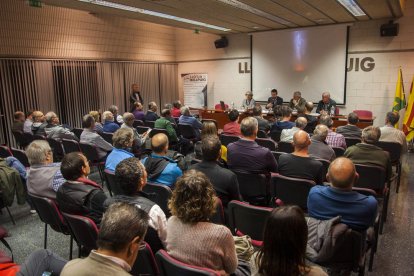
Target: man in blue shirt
x,y
325,202
160,168
186,118
108,122
122,140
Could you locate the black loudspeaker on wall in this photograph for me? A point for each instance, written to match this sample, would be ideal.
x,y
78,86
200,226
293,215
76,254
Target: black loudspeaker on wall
x,y
221,43
390,29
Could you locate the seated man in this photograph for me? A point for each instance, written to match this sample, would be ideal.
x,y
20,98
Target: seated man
x,y
27,127
117,118
151,114
369,154
318,147
285,122
139,140
297,102
90,137
333,139
326,105
391,134
186,118
132,178
39,124
108,122
43,177
122,230
232,128
80,195
248,102
56,131
18,121
165,123
264,124
325,202
312,120
287,134
350,130
161,168
298,163
122,141
274,100
246,155
224,181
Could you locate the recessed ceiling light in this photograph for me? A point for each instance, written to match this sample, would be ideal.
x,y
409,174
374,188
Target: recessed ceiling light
x,y
255,27
321,20
352,7
153,13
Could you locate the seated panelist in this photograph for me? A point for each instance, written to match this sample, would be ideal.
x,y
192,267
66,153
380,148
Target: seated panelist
x,y
274,100
297,102
326,105
249,102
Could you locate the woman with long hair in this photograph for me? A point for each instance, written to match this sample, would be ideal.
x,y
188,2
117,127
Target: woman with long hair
x,y
209,129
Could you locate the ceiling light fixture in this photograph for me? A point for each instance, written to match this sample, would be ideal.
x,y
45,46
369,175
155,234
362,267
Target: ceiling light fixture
x,y
352,7
153,13
245,7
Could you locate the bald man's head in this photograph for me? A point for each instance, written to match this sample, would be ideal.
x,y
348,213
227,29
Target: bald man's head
x,y
159,143
301,140
342,173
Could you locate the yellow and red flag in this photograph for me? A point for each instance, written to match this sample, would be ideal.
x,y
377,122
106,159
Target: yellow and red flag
x,y
408,125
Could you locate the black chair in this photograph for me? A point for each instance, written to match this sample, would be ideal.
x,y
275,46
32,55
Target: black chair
x,y
21,156
266,143
70,146
285,147
277,154
91,154
338,151
245,219
107,136
155,131
83,230
142,129
145,264
57,149
326,164
254,188
23,139
150,124
228,139
160,194
394,149
290,190
188,131
137,123
261,134
169,266
352,141
77,132
49,214
275,135
4,205
112,183
5,152
218,217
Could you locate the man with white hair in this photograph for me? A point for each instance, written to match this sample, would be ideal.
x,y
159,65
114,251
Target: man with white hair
x,y
108,122
319,148
287,134
139,140
151,114
187,119
297,102
55,130
326,105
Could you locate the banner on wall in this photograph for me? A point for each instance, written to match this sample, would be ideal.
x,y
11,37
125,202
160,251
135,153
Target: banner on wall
x,y
195,89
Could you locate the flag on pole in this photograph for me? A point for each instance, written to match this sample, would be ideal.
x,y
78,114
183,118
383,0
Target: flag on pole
x,y
399,99
408,125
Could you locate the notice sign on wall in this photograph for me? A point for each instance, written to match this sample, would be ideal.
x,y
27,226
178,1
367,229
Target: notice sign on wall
x,y
195,89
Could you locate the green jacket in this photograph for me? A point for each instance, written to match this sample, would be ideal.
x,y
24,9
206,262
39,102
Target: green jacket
x,y
164,123
11,185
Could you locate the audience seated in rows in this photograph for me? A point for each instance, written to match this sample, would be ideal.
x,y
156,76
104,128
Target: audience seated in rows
x,y
350,130
391,134
56,131
333,139
117,118
224,181
39,124
80,195
138,111
232,128
90,137
175,111
96,117
151,114
287,134
325,202
284,245
186,118
161,168
298,163
191,238
318,147
27,127
285,122
132,178
108,122
312,120
164,123
139,140
367,153
122,230
18,122
209,129
43,176
264,124
122,141
246,155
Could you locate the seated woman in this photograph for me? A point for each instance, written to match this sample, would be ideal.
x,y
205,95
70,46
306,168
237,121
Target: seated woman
x,y
79,195
138,111
191,238
209,128
122,140
284,245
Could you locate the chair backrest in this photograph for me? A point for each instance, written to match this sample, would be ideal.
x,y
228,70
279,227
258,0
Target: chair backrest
x,y
169,266
57,149
155,131
49,213
160,194
245,219
90,152
218,217
261,134
290,190
352,141
187,131
150,124
275,135
218,107
23,138
83,229
338,151
141,129
277,154
21,156
266,143
145,263
77,132
371,177
112,183
228,139
137,123
363,114
326,164
285,147
254,188
394,149
107,136
5,152
70,146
